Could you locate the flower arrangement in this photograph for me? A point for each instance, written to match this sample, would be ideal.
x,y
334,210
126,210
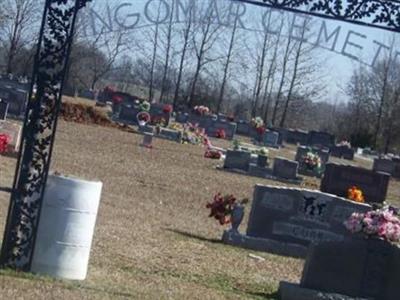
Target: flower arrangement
x,y
158,121
258,124
236,145
202,110
221,208
143,118
193,134
4,141
355,194
383,224
167,108
144,106
344,143
312,161
262,151
212,154
220,134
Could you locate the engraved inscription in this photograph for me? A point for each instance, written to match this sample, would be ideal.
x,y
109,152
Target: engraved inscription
x,y
277,202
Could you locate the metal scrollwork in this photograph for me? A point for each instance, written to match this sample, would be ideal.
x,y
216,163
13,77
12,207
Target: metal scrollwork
x,y
39,130
384,14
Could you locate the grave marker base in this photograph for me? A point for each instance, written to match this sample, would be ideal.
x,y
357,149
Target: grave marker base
x,y
265,245
291,291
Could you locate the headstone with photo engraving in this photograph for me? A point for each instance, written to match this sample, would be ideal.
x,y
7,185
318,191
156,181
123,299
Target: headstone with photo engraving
x,y
287,220
339,178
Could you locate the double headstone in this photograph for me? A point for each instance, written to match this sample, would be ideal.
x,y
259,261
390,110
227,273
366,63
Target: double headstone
x,y
286,221
239,160
339,178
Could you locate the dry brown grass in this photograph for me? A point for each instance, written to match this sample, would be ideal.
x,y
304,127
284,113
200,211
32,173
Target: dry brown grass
x,y
153,237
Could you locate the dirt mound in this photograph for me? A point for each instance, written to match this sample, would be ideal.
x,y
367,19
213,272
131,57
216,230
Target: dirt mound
x,y
88,114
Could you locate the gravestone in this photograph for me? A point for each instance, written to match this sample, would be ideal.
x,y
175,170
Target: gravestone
x,y
271,139
286,221
285,168
128,113
396,171
321,139
243,128
384,165
170,134
237,160
14,131
356,269
228,127
158,112
348,153
297,137
3,110
146,128
299,216
339,178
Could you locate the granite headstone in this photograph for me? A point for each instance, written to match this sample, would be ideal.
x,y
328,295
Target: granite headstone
x,y
237,160
339,178
285,168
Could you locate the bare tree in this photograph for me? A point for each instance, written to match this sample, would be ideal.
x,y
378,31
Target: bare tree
x,y
18,28
228,59
208,34
186,33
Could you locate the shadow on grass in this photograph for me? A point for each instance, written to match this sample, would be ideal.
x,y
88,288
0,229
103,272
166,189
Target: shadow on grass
x,y
5,189
63,284
194,236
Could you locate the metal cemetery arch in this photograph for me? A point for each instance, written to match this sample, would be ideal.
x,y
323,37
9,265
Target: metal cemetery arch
x,y
40,124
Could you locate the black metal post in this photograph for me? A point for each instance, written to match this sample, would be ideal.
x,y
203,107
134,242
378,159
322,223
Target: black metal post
x,y
54,47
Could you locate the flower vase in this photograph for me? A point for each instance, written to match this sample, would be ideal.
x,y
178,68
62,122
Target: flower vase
x,y
237,218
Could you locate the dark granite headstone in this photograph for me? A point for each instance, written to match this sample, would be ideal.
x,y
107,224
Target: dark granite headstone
x,y
170,134
3,109
339,178
285,168
228,127
158,113
297,137
357,268
237,160
348,153
271,139
17,100
243,128
321,139
384,165
299,216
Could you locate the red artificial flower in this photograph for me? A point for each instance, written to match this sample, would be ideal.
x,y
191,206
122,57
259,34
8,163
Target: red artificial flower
x,y
221,208
220,134
167,108
213,154
260,130
117,99
4,141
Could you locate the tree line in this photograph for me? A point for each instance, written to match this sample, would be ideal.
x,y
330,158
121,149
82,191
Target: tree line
x,y
278,77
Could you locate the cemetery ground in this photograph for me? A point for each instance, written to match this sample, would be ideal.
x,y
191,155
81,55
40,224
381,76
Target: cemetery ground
x,y
153,238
